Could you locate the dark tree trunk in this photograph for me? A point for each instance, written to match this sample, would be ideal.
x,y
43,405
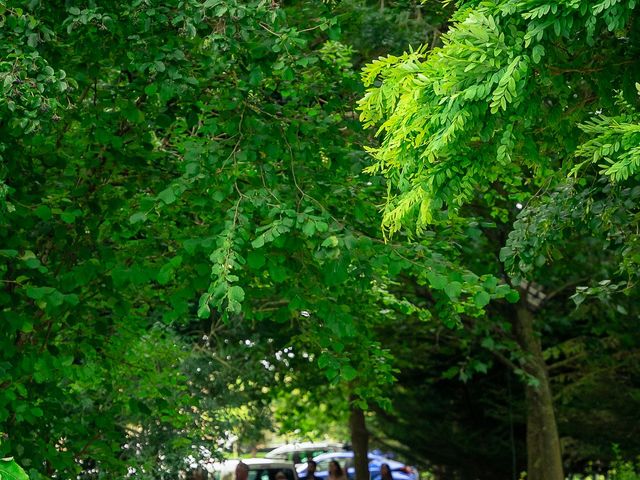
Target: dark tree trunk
x,y
544,456
359,441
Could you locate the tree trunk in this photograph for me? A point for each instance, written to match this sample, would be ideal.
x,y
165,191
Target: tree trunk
x,y
359,441
544,456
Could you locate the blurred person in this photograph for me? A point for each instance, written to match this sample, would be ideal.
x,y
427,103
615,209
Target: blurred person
x,y
311,471
385,472
335,471
242,471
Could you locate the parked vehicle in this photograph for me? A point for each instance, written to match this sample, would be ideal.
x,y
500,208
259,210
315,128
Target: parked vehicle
x,y
399,470
299,453
259,469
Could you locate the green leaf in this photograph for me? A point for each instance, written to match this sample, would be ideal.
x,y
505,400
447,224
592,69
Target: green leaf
x,y
218,196
437,281
505,253
43,212
256,259
537,53
204,310
32,262
453,290
236,294
322,226
56,298
512,296
479,366
36,412
151,89
288,74
490,283
166,273
324,360
72,299
336,272
38,293
348,373
234,306
168,196
258,242
331,374
68,216
26,327
138,217
277,272
331,242
10,470
309,228
488,343
481,299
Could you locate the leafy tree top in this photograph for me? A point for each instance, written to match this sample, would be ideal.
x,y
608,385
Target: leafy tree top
x,y
507,99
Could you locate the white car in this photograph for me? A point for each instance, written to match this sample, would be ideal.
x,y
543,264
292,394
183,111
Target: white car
x,y
299,453
259,469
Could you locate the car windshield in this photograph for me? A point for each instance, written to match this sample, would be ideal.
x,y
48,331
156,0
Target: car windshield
x,y
345,463
300,455
322,465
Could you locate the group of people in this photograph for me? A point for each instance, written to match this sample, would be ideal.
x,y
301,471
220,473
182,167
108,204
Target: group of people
x,y
336,472
242,473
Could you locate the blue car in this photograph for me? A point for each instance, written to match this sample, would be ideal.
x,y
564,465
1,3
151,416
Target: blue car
x,y
399,470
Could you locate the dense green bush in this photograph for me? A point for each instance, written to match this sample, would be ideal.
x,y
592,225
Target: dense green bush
x,y
620,469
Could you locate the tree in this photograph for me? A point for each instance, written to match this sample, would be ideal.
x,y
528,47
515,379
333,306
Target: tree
x,y
162,175
451,401
180,178
492,122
